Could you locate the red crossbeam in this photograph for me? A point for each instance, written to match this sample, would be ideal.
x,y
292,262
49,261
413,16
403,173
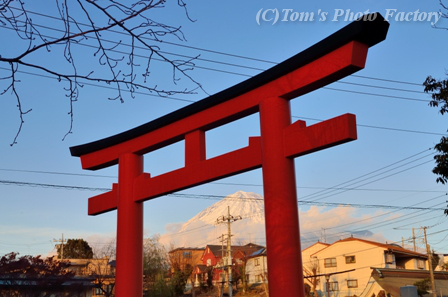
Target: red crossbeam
x,y
325,70
298,139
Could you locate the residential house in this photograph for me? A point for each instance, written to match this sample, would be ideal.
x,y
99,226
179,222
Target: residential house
x,y
101,271
311,266
358,267
257,267
187,259
215,256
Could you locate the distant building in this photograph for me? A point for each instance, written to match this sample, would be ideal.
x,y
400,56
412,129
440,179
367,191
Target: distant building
x,y
257,267
215,262
185,258
358,267
188,260
100,271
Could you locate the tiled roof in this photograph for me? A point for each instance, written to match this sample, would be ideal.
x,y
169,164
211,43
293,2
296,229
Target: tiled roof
x,y
391,247
245,249
322,243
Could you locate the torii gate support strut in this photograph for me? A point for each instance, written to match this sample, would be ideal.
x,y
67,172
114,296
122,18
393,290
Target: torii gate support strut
x,y
268,93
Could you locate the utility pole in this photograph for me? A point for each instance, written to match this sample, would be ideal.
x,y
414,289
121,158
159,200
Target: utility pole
x,y
324,239
228,219
222,265
62,241
413,239
431,274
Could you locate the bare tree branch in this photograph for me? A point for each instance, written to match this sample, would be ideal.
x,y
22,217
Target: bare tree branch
x,y
87,23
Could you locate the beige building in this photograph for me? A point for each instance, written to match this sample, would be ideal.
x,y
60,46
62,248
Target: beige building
x,y
100,270
358,267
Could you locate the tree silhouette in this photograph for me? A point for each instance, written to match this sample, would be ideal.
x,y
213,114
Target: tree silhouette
x,y
439,94
107,43
438,89
24,275
75,249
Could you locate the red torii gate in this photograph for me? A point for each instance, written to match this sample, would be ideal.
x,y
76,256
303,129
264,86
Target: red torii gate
x,y
268,93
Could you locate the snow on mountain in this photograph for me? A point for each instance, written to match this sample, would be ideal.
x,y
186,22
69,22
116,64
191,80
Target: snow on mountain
x,y
240,203
203,229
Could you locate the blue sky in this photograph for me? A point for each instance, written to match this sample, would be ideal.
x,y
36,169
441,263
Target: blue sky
x,y
32,216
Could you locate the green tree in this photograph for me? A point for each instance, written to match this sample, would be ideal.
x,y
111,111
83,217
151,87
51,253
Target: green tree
x,y
435,260
158,281
439,93
155,268
422,286
75,249
179,280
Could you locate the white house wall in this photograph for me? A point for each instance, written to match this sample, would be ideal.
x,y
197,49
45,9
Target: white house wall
x,y
366,256
256,272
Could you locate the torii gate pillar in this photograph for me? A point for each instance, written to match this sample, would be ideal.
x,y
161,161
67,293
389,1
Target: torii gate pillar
x,y
280,200
268,93
129,228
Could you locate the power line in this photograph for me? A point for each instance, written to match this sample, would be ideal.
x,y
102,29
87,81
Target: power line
x,y
208,197
380,87
56,173
321,194
377,95
221,52
192,101
223,63
232,64
332,204
53,186
20,183
377,127
364,175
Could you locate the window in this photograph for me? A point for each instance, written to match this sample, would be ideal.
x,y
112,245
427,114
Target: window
x,y
420,264
330,262
209,262
350,259
352,283
101,291
187,255
332,286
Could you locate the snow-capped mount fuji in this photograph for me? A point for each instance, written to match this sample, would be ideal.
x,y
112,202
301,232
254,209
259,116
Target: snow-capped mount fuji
x,y
203,229
244,204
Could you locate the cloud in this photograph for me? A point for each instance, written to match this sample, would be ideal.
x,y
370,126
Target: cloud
x,y
316,223
173,227
329,225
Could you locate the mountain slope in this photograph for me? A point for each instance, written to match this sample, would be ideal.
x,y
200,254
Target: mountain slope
x,y
203,229
315,223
